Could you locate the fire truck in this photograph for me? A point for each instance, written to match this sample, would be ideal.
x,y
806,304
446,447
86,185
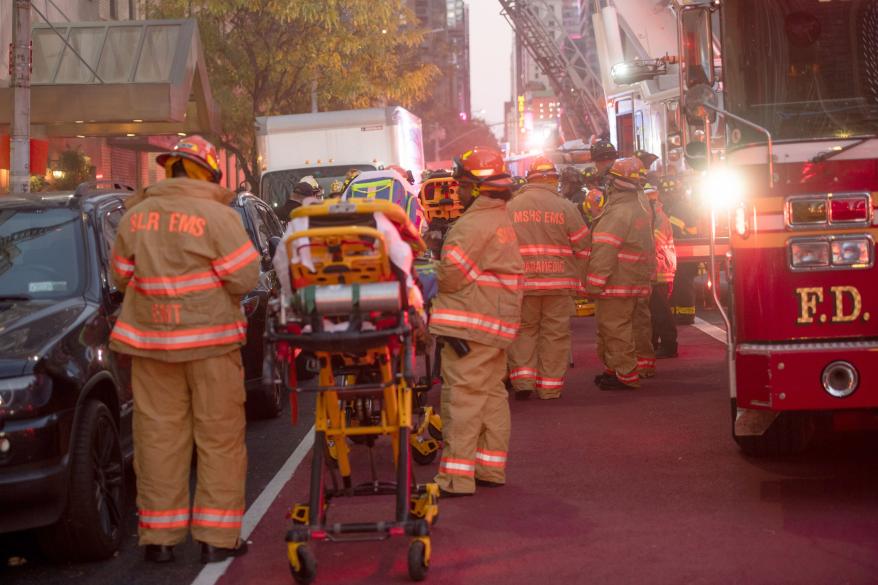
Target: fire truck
x,y
795,104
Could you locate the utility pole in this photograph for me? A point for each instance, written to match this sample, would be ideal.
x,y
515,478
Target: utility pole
x,y
20,71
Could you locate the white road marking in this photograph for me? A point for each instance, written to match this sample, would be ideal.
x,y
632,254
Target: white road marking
x,y
211,573
717,333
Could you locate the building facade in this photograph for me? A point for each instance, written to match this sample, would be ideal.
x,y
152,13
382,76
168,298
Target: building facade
x,y
126,155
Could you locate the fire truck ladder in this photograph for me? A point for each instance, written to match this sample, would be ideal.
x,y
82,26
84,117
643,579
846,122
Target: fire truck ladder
x,y
578,87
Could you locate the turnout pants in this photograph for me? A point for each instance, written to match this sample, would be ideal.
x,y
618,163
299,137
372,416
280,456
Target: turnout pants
x,y
176,405
643,339
616,346
683,298
475,418
540,354
664,328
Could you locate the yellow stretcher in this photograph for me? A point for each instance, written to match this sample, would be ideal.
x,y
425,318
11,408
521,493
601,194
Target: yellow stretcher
x,y
351,307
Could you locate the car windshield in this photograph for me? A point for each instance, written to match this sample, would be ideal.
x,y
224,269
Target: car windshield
x,y
802,68
277,185
40,253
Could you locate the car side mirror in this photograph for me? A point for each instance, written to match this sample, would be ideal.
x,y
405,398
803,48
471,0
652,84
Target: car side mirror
x,y
116,296
695,155
273,244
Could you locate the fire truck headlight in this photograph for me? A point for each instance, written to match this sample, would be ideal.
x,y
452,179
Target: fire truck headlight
x,y
851,252
809,254
722,188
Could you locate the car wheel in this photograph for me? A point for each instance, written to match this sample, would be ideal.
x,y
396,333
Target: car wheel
x,y
268,400
91,526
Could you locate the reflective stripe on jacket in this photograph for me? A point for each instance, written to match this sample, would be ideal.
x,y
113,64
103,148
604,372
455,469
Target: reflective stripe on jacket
x,y
622,258
479,277
552,241
183,260
665,252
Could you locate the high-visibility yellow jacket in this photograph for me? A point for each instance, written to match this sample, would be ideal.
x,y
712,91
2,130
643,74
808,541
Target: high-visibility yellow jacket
x,y
551,239
183,260
621,259
665,252
480,277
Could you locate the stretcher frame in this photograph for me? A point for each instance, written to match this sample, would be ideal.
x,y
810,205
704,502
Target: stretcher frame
x,y
340,355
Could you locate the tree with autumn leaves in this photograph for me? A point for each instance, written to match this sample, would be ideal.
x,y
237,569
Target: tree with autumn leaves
x,y
266,57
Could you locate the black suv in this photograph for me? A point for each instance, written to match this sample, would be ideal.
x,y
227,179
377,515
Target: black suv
x,y
65,400
265,231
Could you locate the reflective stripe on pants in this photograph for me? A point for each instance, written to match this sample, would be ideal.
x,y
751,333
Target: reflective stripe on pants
x,y
475,418
176,406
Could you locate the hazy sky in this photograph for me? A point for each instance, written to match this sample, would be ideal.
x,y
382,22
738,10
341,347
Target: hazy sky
x,y
490,52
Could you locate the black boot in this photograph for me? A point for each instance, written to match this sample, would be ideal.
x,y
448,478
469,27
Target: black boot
x,y
668,350
614,383
216,554
523,394
159,553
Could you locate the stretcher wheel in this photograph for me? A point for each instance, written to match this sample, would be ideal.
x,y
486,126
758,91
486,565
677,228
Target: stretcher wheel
x,y
417,561
307,566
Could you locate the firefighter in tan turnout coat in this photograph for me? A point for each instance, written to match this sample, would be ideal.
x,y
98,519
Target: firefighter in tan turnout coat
x,y
183,260
552,241
476,316
619,270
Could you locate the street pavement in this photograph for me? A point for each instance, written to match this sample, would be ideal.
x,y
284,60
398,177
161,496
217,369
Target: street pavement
x,y
269,444
603,487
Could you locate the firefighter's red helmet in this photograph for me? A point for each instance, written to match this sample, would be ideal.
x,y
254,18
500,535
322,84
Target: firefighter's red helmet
x,y
197,150
483,166
542,168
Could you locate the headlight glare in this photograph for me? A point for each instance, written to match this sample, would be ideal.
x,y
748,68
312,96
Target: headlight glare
x,y
722,188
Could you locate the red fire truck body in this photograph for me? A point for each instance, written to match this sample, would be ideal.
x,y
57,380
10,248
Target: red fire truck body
x,y
799,95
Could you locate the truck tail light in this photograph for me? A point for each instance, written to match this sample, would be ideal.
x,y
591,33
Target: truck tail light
x,y
809,254
832,209
808,212
851,252
850,209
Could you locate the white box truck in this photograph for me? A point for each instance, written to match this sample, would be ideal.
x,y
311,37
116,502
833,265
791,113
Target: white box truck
x,y
326,145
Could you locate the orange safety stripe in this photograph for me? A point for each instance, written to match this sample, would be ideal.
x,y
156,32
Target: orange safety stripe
x,y
236,260
176,285
476,321
181,338
217,518
541,250
627,378
464,467
491,458
626,291
595,280
163,519
543,382
522,373
550,283
607,238
122,266
472,273
579,234
584,253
